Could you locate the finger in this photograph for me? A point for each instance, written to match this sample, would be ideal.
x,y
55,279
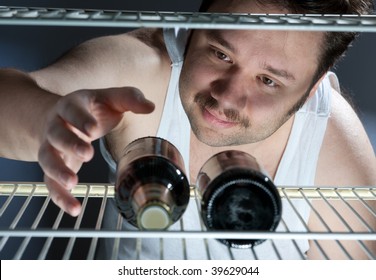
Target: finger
x,y
54,166
67,142
125,99
62,197
75,110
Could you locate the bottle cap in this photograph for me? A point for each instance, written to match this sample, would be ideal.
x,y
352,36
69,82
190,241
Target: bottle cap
x,y
154,217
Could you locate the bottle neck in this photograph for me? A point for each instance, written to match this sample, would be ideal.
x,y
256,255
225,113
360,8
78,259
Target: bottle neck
x,y
153,204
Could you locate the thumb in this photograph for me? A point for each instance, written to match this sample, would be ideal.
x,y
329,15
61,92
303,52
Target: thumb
x,y
126,99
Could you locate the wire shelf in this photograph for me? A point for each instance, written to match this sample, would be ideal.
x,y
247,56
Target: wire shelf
x,y
135,19
38,221
32,227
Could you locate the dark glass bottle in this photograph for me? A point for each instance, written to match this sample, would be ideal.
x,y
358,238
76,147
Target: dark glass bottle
x,y
237,195
151,190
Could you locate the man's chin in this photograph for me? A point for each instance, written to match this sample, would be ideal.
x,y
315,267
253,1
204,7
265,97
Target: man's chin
x,y
206,137
215,139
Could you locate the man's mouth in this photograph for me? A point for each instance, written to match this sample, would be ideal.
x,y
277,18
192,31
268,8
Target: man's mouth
x,y
215,119
213,115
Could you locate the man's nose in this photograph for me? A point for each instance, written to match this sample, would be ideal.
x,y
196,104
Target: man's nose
x,y
232,90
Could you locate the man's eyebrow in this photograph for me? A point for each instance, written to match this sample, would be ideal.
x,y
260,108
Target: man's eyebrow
x,y
279,72
215,35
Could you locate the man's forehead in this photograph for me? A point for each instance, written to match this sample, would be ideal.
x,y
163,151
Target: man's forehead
x,y
230,38
218,36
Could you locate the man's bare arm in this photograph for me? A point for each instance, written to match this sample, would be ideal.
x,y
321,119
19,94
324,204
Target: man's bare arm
x,y
23,105
55,113
347,159
126,60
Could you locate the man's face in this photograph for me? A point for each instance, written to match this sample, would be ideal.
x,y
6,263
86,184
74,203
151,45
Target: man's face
x,y
238,86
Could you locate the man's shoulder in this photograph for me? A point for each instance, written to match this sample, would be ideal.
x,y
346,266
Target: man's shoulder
x,y
141,47
140,59
127,59
346,156
150,72
151,37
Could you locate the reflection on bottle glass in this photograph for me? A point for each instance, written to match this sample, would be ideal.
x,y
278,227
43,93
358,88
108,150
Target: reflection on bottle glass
x,y
237,195
151,190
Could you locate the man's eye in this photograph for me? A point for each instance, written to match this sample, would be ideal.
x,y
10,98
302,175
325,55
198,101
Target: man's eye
x,y
268,82
220,55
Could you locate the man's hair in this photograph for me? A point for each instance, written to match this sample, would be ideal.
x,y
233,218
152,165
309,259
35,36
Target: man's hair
x,y
335,44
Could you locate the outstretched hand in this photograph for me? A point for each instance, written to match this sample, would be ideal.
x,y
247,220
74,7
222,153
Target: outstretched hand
x,y
72,124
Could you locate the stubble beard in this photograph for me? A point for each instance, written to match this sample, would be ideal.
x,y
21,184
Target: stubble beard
x,y
245,133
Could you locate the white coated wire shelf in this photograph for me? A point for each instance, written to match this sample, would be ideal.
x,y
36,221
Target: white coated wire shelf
x,y
135,19
32,227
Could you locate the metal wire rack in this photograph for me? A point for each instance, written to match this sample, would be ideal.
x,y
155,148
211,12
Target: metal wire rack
x,y
133,19
39,230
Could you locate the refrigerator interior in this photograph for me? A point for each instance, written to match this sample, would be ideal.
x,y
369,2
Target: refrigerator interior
x,y
33,228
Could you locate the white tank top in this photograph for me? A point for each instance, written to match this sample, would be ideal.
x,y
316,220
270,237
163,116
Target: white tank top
x,y
297,168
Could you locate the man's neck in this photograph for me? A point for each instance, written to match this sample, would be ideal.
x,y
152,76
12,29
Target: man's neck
x,y
268,152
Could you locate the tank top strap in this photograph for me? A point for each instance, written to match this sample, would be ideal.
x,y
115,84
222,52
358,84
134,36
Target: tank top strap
x,y
174,125
175,40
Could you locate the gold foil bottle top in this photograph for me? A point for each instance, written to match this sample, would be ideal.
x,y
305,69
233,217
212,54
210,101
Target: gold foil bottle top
x,y
154,216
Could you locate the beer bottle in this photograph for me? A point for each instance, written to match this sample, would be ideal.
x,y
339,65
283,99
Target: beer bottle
x,y
151,190
236,195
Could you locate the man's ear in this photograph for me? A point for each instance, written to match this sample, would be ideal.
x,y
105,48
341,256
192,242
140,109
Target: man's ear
x,y
316,85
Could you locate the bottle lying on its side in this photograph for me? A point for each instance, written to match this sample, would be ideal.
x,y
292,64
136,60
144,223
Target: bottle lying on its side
x,y
236,195
151,190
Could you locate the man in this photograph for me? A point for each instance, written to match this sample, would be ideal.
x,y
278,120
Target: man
x,y
238,89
